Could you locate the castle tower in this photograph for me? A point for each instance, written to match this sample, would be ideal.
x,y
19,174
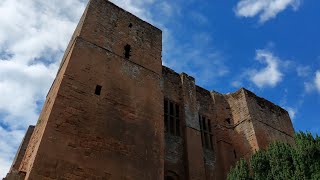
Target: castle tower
x,y
114,112
103,116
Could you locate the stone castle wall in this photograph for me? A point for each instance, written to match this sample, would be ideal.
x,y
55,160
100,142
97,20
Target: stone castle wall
x,y
240,128
119,132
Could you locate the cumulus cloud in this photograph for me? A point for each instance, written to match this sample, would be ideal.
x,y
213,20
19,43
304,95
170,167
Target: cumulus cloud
x,y
270,75
33,36
265,9
8,145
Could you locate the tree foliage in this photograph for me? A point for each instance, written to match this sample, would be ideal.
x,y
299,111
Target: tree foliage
x,y
240,171
283,161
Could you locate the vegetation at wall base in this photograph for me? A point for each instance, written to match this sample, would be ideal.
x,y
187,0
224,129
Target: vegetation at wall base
x,y
282,161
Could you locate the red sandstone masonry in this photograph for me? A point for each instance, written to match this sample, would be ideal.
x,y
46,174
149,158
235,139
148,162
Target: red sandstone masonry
x,y
119,134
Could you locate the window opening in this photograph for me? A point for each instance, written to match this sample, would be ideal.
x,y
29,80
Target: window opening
x,y
130,25
206,133
98,90
171,118
170,175
127,51
235,154
228,120
169,178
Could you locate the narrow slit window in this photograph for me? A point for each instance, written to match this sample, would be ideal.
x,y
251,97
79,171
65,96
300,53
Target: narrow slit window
x,y
235,154
171,118
228,120
98,90
206,132
127,51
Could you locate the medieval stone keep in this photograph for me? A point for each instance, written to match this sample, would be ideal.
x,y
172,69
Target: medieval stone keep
x,y
115,113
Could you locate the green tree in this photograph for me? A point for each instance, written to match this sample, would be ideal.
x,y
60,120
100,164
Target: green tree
x,y
280,160
283,161
306,156
261,166
240,171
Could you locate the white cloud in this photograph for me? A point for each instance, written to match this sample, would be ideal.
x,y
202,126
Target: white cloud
x,y
236,83
309,87
313,85
199,18
33,36
270,75
317,80
303,71
137,7
265,9
199,59
8,143
166,8
292,112
22,86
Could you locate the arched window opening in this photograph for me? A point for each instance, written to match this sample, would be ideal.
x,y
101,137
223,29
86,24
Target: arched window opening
x,y
127,51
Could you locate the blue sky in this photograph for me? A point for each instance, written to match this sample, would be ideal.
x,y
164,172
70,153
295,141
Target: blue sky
x,y
269,47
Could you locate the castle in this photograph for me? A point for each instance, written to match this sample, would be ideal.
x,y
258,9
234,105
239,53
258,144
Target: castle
x,y
114,112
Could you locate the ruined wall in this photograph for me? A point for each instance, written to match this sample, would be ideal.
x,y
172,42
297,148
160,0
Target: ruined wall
x,y
207,109
193,159
223,130
118,133
244,138
14,170
270,121
185,155
174,145
242,123
194,152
